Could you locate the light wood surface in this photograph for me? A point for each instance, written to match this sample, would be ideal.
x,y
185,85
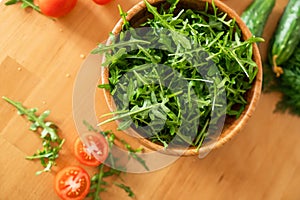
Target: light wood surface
x,y
39,61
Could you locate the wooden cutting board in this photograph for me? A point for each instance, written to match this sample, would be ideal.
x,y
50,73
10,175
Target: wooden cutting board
x,y
39,60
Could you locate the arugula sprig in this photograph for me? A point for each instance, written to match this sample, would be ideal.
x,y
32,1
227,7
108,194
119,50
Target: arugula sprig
x,y
24,4
51,142
98,181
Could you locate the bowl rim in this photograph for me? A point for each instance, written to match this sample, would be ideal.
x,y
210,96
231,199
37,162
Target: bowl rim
x,y
237,125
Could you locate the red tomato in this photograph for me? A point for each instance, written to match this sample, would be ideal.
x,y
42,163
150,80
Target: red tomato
x,y
83,154
92,150
72,183
56,8
101,2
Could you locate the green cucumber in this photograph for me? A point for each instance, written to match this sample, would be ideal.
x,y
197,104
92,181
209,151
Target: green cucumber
x,y
289,85
286,37
256,15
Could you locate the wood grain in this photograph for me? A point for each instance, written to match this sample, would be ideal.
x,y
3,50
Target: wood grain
x,y
262,162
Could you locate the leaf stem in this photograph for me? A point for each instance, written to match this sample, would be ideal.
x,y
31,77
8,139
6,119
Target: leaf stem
x,y
32,5
32,117
98,190
128,114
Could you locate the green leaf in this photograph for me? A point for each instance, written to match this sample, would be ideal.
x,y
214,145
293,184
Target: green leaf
x,y
173,5
130,90
126,188
11,2
159,114
126,24
125,123
181,40
33,127
44,115
104,86
51,142
24,4
157,16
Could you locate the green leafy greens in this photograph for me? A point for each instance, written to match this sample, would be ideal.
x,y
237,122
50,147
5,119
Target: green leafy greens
x,y
98,182
143,100
51,142
24,4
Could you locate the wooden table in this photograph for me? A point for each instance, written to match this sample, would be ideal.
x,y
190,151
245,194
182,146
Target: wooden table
x,y
39,60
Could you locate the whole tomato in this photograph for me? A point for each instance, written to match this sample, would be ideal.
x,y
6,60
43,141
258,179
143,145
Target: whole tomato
x,y
101,2
56,8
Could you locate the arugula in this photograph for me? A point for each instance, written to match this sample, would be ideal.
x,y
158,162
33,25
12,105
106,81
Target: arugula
x,y
123,16
98,182
25,4
141,95
51,142
126,189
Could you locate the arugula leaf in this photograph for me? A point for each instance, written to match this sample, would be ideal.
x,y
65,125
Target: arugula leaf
x,y
123,14
126,189
24,4
11,2
51,142
104,86
173,4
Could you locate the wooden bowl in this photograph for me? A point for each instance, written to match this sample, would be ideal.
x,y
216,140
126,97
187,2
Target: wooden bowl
x,y
137,15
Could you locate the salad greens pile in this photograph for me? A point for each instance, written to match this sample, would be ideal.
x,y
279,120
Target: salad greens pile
x,y
202,47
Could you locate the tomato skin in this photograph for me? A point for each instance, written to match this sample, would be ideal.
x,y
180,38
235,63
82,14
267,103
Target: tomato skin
x,y
72,177
101,2
83,156
91,149
56,8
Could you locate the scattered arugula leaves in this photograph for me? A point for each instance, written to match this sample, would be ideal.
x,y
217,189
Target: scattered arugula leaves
x,y
51,142
98,182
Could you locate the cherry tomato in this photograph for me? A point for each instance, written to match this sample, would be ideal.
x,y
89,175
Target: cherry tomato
x,y
91,149
72,183
56,8
101,2
83,154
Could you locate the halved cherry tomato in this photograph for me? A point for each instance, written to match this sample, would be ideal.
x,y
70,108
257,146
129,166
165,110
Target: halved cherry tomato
x,y
56,8
83,155
72,183
101,2
91,149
